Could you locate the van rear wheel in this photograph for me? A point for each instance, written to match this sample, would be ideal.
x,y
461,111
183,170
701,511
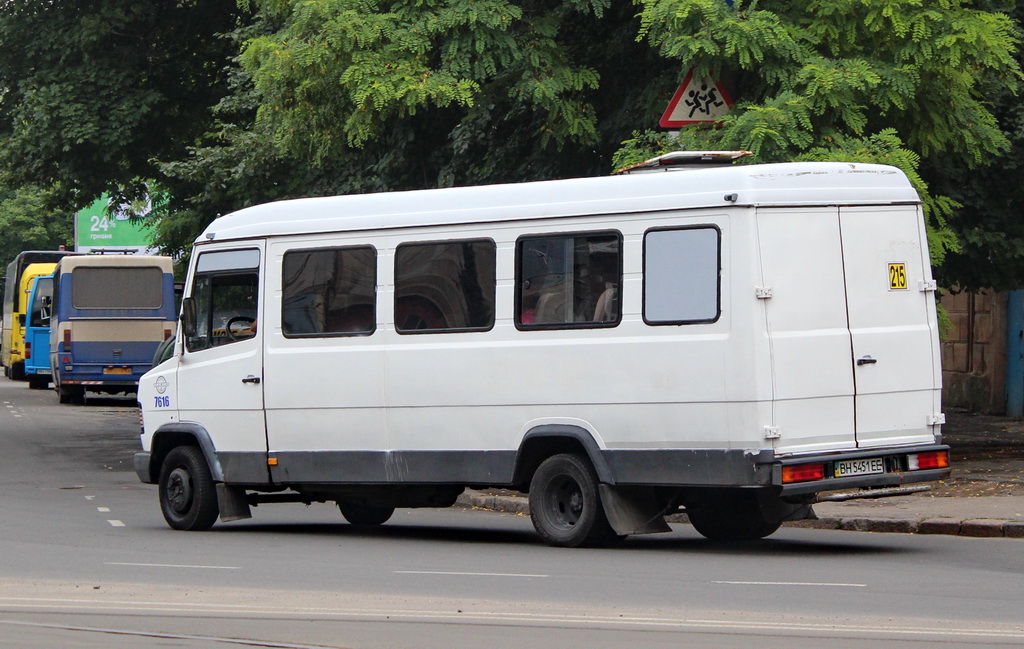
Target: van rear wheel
x,y
731,516
565,504
188,496
365,516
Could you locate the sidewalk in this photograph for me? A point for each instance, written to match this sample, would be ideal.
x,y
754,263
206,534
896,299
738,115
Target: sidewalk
x,y
984,496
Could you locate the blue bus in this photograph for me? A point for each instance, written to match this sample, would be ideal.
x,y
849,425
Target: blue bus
x,y
110,312
37,332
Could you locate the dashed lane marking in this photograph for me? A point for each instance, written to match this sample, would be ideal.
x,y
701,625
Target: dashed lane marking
x,y
468,574
170,565
789,583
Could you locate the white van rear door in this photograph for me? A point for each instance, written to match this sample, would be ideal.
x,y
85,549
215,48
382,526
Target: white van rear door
x,y
804,297
892,321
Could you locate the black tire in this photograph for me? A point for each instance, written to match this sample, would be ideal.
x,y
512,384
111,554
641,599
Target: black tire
x,y
38,382
71,394
363,516
730,516
17,371
188,496
565,504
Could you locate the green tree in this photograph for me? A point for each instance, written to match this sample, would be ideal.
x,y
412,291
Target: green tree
x,y
342,96
29,223
989,224
95,91
849,80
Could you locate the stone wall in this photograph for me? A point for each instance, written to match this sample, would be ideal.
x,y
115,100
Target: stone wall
x,y
974,352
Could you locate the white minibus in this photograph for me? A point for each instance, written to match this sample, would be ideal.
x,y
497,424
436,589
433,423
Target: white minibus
x,y
735,342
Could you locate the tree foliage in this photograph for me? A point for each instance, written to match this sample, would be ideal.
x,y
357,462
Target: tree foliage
x,y
94,91
227,105
29,223
851,80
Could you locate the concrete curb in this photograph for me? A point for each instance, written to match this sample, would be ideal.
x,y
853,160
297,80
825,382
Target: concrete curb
x,y
974,527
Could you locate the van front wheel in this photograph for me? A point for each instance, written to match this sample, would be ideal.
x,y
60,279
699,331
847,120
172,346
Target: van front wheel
x,y
565,504
188,496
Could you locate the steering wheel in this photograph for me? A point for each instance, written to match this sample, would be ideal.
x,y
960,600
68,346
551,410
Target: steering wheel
x,y
238,318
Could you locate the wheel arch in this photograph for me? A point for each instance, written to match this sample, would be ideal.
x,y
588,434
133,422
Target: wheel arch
x,y
170,436
541,442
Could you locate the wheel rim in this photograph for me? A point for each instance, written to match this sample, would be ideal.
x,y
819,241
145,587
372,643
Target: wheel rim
x,y
179,490
566,502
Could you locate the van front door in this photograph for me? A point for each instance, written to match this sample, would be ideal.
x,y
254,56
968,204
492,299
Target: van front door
x,y
891,301
220,374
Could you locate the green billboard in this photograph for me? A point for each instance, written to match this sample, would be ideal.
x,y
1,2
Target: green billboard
x,y
118,228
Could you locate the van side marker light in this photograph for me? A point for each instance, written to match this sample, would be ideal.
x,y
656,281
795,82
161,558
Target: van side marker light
x,y
271,461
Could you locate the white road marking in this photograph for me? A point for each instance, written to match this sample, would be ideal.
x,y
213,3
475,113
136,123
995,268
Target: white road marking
x,y
468,574
103,509
790,583
165,636
90,497
116,523
170,565
851,628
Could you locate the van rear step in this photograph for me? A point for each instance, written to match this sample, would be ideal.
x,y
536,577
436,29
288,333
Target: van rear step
x,y
887,492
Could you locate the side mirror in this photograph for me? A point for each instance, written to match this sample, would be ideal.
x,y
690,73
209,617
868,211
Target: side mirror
x,y
188,317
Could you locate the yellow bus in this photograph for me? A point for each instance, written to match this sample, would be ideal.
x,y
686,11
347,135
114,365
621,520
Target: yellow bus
x,y
18,280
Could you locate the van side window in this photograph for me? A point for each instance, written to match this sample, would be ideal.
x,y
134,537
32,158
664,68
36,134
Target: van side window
x,y
330,291
567,281
225,292
444,287
681,275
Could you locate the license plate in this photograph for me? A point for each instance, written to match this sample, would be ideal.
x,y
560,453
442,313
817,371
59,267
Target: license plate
x,y
867,466
117,370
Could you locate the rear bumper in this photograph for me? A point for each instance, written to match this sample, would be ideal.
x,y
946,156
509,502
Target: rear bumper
x,y
895,461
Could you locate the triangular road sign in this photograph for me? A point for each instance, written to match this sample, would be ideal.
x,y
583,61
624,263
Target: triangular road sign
x,y
697,100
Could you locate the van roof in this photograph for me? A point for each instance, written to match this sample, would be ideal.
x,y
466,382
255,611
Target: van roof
x,y
793,183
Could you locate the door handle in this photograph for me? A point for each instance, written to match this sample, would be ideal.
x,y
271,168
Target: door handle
x,y
251,379
867,360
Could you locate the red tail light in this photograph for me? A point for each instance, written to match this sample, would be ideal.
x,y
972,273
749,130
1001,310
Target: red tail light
x,y
936,460
67,341
28,349
803,473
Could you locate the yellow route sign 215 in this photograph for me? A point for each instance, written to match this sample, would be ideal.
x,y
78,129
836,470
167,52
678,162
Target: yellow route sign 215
x,y
897,277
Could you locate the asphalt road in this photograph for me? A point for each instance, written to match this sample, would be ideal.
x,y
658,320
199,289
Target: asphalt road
x,y
87,561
